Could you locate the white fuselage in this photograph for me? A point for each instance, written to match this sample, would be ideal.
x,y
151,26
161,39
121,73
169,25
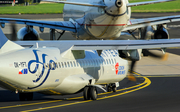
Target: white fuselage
x,y
98,22
46,70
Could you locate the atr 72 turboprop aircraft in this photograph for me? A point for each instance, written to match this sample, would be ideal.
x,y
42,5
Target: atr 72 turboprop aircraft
x,y
98,19
67,67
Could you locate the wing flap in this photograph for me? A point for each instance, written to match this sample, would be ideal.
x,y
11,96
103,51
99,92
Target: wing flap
x,y
62,25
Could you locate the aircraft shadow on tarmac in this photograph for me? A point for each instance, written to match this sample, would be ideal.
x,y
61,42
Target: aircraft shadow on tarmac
x,y
11,96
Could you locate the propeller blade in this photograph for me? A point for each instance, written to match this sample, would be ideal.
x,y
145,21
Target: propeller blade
x,y
131,77
162,57
13,31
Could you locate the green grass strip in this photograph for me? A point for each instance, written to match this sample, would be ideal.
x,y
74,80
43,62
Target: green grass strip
x,y
173,6
54,8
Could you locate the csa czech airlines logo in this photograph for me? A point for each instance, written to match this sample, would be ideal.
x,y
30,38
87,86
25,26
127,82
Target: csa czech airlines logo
x,y
23,71
116,68
119,69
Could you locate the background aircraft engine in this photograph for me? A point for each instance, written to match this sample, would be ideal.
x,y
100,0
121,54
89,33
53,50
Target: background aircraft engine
x,y
161,34
27,34
153,32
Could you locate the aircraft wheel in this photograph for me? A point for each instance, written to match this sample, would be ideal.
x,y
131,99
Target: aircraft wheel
x,y
109,88
86,93
114,88
93,93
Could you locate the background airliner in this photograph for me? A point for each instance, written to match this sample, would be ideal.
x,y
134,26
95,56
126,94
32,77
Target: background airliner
x,y
96,20
67,67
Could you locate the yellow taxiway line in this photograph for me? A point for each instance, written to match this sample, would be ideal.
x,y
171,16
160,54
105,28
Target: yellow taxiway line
x,y
146,83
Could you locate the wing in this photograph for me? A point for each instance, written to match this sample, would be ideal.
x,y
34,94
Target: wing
x,y
77,3
103,5
103,44
62,25
146,3
139,23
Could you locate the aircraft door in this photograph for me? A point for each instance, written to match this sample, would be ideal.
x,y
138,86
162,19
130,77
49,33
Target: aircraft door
x,y
101,71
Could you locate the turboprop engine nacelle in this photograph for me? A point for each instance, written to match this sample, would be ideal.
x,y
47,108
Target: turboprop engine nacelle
x,y
26,33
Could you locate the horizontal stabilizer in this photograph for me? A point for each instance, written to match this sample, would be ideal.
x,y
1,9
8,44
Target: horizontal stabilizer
x,y
146,3
7,45
76,3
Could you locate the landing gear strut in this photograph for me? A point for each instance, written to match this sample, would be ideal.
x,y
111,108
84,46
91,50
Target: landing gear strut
x,y
90,92
25,96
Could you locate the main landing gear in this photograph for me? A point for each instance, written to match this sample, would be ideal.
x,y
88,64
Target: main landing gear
x,y
90,92
25,96
111,87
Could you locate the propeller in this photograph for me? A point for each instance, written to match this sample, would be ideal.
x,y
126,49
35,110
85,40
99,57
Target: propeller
x,y
164,57
13,31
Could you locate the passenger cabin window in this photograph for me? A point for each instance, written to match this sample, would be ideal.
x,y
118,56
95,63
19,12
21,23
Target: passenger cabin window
x,y
56,65
59,65
107,61
71,63
77,64
112,61
65,64
74,63
62,64
68,65
104,61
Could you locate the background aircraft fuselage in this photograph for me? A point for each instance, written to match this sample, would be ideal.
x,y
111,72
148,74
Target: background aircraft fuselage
x,y
98,22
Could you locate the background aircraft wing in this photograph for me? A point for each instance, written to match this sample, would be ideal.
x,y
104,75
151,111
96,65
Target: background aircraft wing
x,y
103,44
147,2
139,23
101,4
62,25
76,3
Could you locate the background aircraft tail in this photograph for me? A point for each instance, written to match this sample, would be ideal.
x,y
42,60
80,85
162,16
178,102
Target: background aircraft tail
x,y
7,45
